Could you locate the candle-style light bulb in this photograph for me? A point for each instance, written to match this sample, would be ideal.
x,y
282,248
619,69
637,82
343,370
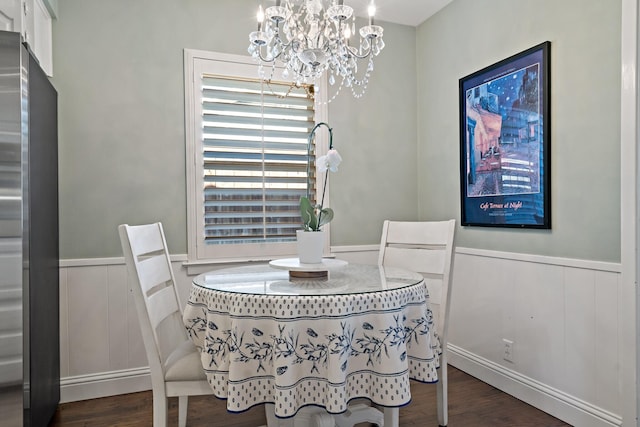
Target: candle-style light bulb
x,y
347,34
260,17
372,12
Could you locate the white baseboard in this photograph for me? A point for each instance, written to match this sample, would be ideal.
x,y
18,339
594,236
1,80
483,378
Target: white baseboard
x,y
84,387
555,402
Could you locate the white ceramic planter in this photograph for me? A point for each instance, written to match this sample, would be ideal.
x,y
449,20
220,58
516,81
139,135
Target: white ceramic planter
x,y
310,246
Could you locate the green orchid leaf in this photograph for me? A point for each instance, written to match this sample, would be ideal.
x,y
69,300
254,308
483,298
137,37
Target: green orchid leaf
x,y
308,214
326,215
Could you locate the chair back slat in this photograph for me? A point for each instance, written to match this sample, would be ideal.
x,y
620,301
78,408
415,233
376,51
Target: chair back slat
x,y
418,233
146,239
161,305
425,247
153,271
426,261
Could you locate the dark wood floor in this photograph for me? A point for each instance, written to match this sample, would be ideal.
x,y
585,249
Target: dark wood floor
x,y
472,403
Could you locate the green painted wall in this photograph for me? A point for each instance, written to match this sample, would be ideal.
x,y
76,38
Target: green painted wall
x,y
119,74
376,136
469,35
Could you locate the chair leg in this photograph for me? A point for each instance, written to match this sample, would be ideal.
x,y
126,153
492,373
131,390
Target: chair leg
x,y
441,392
391,417
159,410
183,404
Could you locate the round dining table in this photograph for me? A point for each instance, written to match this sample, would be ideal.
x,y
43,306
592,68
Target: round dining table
x,y
348,331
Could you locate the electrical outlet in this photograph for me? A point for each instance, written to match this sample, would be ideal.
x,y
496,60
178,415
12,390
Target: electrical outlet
x,y
507,353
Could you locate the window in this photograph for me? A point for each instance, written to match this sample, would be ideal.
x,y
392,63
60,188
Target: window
x,y
247,152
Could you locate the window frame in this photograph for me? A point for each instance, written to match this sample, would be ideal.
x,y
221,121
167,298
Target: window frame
x,y
235,66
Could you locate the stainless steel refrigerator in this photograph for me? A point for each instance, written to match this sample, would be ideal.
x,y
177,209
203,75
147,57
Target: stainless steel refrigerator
x,y
29,254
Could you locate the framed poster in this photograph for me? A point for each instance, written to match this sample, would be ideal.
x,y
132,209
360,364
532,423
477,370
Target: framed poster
x,y
505,142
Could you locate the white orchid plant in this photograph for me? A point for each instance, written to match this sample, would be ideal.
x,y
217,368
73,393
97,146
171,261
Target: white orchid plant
x,y
315,216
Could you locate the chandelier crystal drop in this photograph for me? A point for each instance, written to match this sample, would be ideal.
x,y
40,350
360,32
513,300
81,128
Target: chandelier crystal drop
x,y
311,37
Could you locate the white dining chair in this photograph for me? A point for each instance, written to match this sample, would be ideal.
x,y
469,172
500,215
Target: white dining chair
x,y
425,247
174,362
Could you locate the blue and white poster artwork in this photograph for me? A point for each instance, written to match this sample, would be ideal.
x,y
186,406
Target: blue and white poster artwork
x,y
504,142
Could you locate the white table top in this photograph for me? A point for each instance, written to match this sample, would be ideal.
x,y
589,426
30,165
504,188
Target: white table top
x,y
343,279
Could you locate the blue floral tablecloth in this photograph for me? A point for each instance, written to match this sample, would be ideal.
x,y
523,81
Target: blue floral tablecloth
x,y
326,350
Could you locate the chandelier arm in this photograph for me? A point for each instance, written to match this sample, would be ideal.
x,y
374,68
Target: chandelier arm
x,y
278,36
283,45
284,48
263,59
353,51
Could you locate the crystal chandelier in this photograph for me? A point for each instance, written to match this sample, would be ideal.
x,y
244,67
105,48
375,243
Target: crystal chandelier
x,y
313,36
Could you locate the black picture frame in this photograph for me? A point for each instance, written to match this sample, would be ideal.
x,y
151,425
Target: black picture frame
x,y
505,141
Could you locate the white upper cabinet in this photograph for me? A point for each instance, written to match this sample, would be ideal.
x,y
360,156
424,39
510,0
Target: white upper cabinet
x,y
10,16
31,18
41,39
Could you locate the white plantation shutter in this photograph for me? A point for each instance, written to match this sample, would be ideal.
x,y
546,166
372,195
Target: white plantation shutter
x,y
255,153
246,158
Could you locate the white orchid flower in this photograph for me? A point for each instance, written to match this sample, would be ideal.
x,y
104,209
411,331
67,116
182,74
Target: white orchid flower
x,y
329,161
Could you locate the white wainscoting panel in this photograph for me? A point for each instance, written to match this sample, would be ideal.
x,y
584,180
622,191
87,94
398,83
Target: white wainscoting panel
x,y
562,320
607,333
561,314
101,347
88,320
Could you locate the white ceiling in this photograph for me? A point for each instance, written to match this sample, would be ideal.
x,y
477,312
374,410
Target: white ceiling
x,y
407,12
